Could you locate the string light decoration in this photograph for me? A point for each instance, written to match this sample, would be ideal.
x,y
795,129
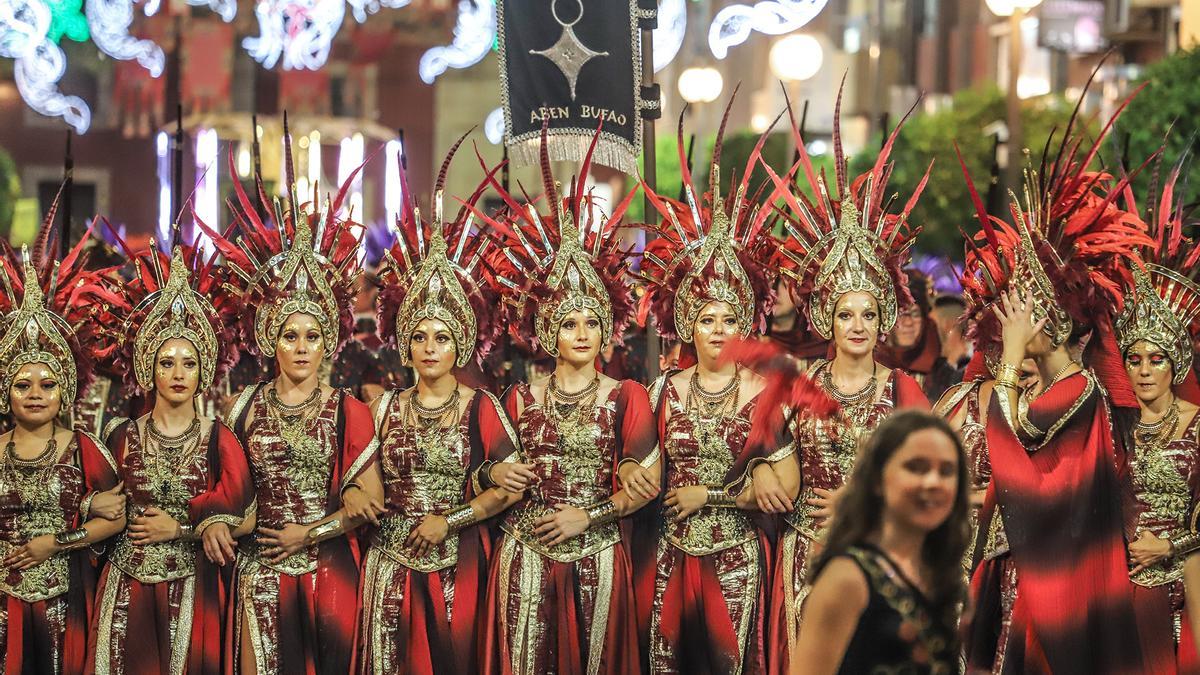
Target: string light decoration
x,y
734,24
39,63
109,21
474,35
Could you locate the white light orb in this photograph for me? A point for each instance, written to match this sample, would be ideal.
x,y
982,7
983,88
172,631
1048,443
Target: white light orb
x,y
700,85
796,58
1007,7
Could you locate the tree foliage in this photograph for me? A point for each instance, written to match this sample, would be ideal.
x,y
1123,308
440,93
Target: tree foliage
x,y
10,191
1168,104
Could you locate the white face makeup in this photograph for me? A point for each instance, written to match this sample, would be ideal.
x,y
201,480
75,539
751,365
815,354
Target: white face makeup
x,y
715,326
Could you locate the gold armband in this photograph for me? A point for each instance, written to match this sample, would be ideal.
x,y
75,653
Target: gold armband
x,y
719,498
351,484
186,532
602,513
460,517
71,539
320,533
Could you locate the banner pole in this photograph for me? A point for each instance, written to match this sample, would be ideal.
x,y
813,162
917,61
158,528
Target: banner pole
x,y
649,160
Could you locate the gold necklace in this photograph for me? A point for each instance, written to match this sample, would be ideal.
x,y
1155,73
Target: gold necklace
x,y
709,405
1159,433
296,411
169,452
436,417
564,404
1054,380
49,451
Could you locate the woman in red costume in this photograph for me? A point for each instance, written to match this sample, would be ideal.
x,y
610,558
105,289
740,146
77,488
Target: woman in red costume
x,y
296,582
1060,600
1155,336
161,603
424,579
560,592
702,592
49,474
846,256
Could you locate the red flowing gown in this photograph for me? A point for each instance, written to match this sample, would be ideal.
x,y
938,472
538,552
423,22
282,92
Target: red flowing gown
x,y
826,450
47,608
161,607
1058,480
424,615
300,613
708,572
568,608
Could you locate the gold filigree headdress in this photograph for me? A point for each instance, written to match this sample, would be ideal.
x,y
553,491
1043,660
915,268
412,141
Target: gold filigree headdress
x,y
180,304
422,280
851,244
1166,305
34,334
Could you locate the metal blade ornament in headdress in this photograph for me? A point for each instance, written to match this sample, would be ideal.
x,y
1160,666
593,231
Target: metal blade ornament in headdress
x,y
34,334
176,311
1029,277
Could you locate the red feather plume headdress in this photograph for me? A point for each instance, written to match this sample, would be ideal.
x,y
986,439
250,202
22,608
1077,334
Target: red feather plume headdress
x,y
718,250
54,312
186,295
431,272
849,244
306,263
549,265
1072,248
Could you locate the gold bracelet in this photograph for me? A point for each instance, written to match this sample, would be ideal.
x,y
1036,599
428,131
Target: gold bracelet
x,y
719,498
185,532
1185,544
318,533
602,513
1008,375
460,517
69,539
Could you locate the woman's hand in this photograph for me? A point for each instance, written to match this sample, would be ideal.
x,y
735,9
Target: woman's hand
x,y
110,504
1147,550
359,506
825,501
513,476
432,531
34,552
683,502
1017,326
640,482
281,543
219,543
768,490
566,522
154,526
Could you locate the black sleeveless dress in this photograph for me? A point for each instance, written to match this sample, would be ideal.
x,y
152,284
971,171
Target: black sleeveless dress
x,y
899,631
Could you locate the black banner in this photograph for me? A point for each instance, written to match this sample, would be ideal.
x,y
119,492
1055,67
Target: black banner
x,y
575,63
